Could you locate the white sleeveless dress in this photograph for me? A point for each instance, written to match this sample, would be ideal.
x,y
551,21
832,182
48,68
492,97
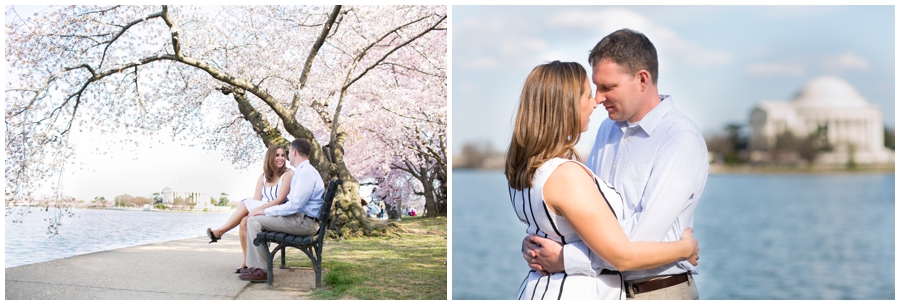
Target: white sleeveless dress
x,y
531,210
269,193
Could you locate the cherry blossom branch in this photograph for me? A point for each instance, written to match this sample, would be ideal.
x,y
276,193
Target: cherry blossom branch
x,y
429,29
336,116
315,49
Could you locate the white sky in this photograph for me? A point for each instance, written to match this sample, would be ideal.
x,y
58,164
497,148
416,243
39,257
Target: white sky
x,y
150,167
155,164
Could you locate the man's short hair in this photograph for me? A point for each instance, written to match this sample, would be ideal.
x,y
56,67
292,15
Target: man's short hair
x,y
629,49
301,146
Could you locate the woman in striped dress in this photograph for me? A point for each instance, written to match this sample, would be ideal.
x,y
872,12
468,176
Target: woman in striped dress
x,y
271,189
560,199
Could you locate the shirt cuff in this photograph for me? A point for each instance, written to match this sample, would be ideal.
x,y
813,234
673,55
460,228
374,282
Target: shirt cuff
x,y
577,259
272,211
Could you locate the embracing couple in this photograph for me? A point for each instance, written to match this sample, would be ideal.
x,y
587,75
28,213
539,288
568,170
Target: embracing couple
x,y
619,225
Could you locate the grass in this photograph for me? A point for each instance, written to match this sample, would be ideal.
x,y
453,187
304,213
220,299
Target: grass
x,y
405,266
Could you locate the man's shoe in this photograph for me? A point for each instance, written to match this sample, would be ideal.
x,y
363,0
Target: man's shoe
x,y
247,270
255,275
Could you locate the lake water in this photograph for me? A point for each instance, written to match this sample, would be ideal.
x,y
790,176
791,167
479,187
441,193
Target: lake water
x,y
761,237
99,230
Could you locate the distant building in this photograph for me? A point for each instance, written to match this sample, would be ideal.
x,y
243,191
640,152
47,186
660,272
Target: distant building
x,y
167,196
199,201
854,127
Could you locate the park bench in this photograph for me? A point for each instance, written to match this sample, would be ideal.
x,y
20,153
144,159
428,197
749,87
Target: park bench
x,y
311,245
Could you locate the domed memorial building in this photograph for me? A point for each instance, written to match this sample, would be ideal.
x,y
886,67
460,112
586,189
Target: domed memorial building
x,y
832,108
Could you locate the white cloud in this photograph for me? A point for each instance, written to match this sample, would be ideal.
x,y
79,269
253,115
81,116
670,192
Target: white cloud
x,y
464,86
844,62
517,46
481,63
798,66
666,40
478,24
490,44
774,69
607,20
560,55
795,12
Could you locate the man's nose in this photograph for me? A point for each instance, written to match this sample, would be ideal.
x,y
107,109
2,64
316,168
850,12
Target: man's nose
x,y
599,98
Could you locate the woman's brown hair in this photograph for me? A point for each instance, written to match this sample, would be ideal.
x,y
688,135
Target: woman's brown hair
x,y
548,122
272,173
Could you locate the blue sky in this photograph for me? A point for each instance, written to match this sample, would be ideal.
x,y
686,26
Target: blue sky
x,y
717,62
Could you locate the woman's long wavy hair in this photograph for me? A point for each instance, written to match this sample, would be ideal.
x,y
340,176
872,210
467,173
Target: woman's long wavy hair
x,y
272,173
548,122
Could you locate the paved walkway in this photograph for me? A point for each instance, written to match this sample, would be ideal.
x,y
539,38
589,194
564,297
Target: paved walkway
x,y
188,269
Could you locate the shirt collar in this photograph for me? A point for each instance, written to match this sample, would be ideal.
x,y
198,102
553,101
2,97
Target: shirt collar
x,y
652,119
305,162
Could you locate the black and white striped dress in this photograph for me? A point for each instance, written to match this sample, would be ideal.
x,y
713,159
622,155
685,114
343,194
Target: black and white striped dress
x,y
268,193
531,210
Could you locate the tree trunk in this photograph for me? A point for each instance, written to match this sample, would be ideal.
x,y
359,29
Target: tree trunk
x,y
347,217
428,192
394,212
441,194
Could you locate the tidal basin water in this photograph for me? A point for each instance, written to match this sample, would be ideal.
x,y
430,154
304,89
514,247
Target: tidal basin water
x,y
766,236
99,230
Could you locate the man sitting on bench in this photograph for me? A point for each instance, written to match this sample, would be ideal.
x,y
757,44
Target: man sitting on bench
x,y
296,216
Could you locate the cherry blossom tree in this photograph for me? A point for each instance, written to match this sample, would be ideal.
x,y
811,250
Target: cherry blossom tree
x,y
418,143
397,188
238,79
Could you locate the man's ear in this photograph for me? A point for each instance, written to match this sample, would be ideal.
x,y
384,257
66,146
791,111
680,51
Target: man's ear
x,y
645,79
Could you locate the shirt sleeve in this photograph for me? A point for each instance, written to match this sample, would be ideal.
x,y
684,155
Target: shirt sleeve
x,y
679,166
298,196
577,259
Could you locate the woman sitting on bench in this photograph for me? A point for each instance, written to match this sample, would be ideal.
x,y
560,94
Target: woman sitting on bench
x,y
271,189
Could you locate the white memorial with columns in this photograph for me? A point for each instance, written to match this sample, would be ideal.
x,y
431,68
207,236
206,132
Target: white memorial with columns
x,y
853,125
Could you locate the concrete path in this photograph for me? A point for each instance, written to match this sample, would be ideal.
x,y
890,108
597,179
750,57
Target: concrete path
x,y
188,269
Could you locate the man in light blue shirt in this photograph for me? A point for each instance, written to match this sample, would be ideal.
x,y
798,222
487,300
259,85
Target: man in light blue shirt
x,y
652,154
297,216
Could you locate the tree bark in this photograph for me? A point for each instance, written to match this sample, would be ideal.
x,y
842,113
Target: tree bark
x,y
348,217
428,190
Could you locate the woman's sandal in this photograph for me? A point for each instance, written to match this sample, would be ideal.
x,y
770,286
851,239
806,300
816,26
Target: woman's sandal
x,y
240,270
211,235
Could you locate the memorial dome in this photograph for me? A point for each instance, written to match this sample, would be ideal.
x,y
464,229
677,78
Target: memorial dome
x,y
829,91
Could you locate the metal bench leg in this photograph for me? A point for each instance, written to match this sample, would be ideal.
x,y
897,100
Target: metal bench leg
x,y
270,260
282,257
317,265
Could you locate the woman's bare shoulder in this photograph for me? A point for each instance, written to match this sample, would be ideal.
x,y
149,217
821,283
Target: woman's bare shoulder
x,y
570,172
568,183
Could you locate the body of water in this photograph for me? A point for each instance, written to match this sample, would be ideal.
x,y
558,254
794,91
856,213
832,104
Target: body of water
x,y
790,236
99,230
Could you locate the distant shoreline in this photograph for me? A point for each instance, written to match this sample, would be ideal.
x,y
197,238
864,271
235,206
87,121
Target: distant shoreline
x,y
719,169
169,211
713,169
126,209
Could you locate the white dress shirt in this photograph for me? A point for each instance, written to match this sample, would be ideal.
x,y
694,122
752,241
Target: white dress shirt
x,y
305,195
659,166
